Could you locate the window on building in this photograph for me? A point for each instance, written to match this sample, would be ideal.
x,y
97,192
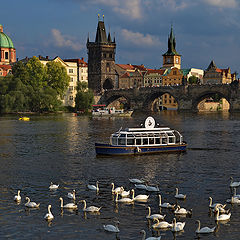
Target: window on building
x,y
108,67
70,70
71,79
6,55
71,98
70,88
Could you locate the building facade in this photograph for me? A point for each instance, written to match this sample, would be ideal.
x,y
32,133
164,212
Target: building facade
x,y
101,61
153,77
7,53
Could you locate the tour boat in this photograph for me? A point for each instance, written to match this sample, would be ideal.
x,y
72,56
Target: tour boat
x,y
101,110
144,140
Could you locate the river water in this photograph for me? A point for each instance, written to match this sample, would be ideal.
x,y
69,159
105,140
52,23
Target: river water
x,y
60,149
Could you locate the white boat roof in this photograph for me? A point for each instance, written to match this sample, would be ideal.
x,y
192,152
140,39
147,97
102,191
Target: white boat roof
x,y
147,129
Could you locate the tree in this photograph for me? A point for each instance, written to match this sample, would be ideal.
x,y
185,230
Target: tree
x,y
84,98
193,80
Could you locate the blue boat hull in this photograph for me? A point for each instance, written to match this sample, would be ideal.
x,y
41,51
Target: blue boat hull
x,y
107,149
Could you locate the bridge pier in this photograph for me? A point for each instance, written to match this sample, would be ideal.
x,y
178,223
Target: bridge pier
x,y
234,105
185,105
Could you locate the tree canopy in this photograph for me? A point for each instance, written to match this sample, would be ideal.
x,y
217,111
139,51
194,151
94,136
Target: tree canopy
x,y
33,87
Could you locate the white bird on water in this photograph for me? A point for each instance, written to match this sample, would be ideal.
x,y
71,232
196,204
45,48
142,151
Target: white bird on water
x,y
234,184
204,230
68,205
111,228
72,195
17,198
140,197
177,226
215,204
53,186
49,216
31,204
222,217
93,187
149,238
154,216
161,225
123,200
91,208
135,180
180,195
117,189
166,204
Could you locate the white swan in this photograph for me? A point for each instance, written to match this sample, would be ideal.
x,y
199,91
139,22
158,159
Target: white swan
x,y
161,225
152,189
233,200
53,186
164,205
91,208
31,204
93,187
140,197
124,200
234,184
182,211
204,229
17,198
72,195
149,238
116,190
215,204
141,186
180,195
222,217
111,228
125,194
177,226
49,216
68,205
135,180
154,216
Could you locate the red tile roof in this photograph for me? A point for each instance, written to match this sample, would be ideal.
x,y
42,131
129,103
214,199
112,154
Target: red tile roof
x,y
126,66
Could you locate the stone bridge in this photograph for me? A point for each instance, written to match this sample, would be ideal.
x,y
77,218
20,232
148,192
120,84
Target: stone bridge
x,y
187,97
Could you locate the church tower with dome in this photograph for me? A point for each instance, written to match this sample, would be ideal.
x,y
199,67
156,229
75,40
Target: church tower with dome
x,y
7,53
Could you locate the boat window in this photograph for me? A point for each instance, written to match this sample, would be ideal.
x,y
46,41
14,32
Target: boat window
x,y
151,140
164,140
171,139
138,141
130,135
157,140
178,136
121,141
114,141
130,141
123,135
145,141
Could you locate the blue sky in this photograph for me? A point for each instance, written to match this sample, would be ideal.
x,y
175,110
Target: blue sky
x,y
205,30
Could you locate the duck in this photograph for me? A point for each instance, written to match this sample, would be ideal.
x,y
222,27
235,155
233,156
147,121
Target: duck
x,y
49,216
215,204
53,186
112,228
91,208
165,205
123,200
161,225
116,190
204,230
141,186
135,180
17,197
93,187
180,195
149,238
177,226
154,216
152,189
182,211
234,184
140,197
233,200
222,217
68,205
31,204
72,195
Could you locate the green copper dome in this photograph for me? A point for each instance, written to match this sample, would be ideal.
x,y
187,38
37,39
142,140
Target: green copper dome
x,y
5,41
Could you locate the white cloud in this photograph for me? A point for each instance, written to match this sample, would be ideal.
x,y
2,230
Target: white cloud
x,y
140,39
128,8
223,3
65,41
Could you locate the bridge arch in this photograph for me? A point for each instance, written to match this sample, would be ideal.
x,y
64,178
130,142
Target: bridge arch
x,y
125,101
108,84
206,95
151,99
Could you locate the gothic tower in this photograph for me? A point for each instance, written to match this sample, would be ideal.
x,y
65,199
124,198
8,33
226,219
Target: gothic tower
x,y
171,58
101,61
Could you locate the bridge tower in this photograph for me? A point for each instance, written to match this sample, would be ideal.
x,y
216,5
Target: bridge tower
x,y
171,58
101,60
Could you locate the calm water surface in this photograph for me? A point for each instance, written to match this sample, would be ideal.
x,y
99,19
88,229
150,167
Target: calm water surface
x,y
61,149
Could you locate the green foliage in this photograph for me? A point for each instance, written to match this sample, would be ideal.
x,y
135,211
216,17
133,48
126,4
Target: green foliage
x,y
84,98
33,87
193,80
